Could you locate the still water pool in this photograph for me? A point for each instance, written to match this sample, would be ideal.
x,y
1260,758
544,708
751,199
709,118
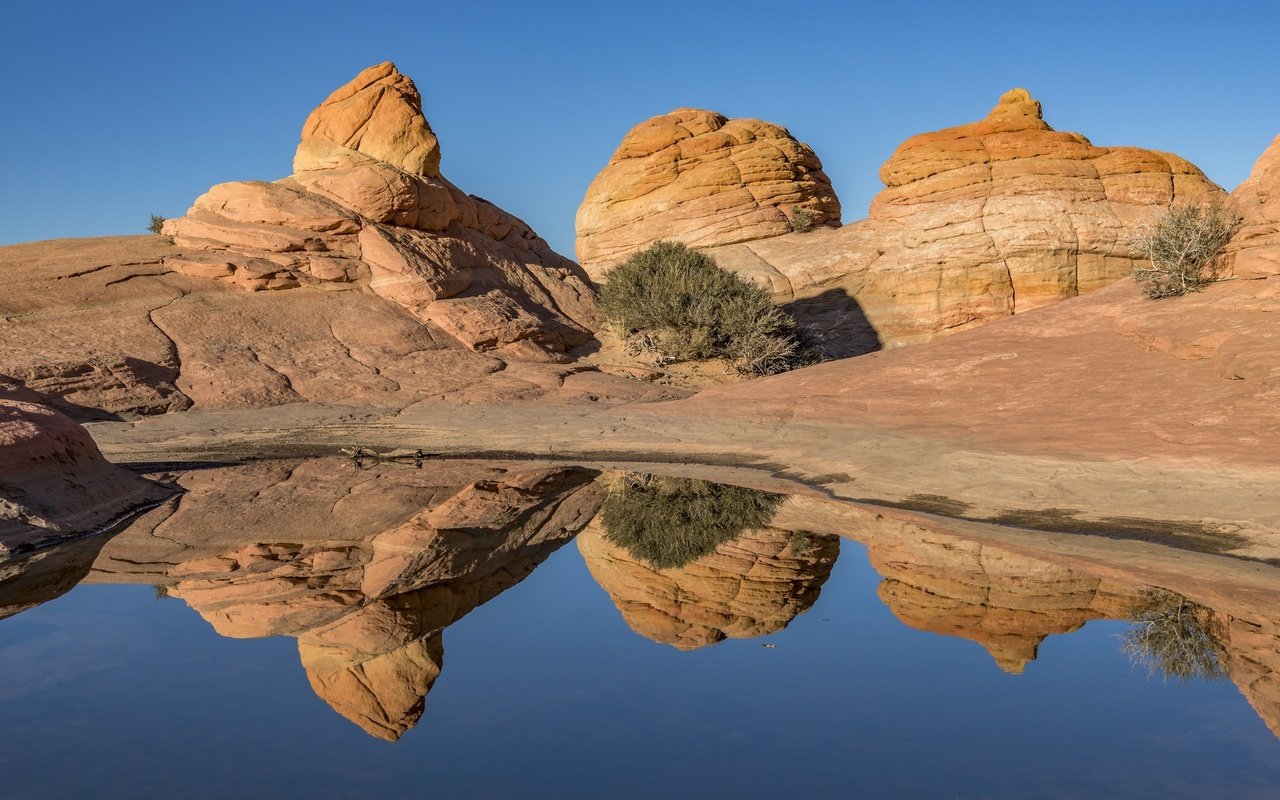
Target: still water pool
x,y
221,647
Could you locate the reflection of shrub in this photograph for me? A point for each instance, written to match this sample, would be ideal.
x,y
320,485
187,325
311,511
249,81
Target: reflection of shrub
x,y
677,304
1174,636
671,522
1183,245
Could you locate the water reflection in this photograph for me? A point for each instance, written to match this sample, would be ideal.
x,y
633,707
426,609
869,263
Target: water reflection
x,y
366,566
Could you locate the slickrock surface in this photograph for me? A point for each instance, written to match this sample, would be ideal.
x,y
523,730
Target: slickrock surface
x,y
975,223
1255,250
365,568
701,178
100,328
54,483
751,586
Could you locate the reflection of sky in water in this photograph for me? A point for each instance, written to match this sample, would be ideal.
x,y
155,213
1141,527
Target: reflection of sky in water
x,y
545,692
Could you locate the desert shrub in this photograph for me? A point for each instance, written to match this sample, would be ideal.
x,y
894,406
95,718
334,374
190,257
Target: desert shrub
x,y
801,220
1176,637
670,522
157,223
1183,245
676,304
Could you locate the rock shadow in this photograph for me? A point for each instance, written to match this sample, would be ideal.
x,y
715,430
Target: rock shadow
x,y
835,324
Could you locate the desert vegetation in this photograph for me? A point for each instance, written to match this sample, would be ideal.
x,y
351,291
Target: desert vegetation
x,y
670,522
1175,637
157,223
673,303
801,220
1183,245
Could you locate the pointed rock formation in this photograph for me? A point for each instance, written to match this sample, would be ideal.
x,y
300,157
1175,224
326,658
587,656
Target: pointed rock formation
x,y
367,206
1254,252
751,586
700,178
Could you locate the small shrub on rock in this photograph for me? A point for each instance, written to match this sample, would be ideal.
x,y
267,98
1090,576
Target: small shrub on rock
x,y
157,223
1183,245
801,220
675,303
671,522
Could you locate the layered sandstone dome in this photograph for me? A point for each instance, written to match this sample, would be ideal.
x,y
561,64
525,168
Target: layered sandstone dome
x,y
701,178
975,222
367,206
751,586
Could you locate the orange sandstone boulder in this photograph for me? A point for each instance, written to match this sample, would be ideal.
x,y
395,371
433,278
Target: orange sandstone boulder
x,y
701,178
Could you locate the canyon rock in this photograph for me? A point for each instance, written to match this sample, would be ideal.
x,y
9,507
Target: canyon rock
x,y
55,484
701,178
751,586
1255,249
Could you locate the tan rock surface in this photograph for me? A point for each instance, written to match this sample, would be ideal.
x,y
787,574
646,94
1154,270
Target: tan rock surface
x,y
751,586
55,484
975,223
365,567
1255,250
701,178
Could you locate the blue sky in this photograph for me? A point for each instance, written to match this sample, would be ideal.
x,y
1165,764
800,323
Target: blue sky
x,y
115,111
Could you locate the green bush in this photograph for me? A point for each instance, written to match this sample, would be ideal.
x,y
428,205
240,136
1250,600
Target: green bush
x,y
670,522
1183,245
1176,637
676,304
157,223
801,220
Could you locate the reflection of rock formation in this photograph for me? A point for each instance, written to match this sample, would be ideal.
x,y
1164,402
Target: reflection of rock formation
x,y
1009,602
750,586
1006,602
365,569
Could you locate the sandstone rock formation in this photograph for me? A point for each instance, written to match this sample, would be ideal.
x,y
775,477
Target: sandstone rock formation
x,y
701,178
751,586
367,206
397,288
365,568
54,483
1255,250
975,223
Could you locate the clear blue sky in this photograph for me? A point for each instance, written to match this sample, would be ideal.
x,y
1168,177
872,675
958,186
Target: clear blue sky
x,y
114,111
